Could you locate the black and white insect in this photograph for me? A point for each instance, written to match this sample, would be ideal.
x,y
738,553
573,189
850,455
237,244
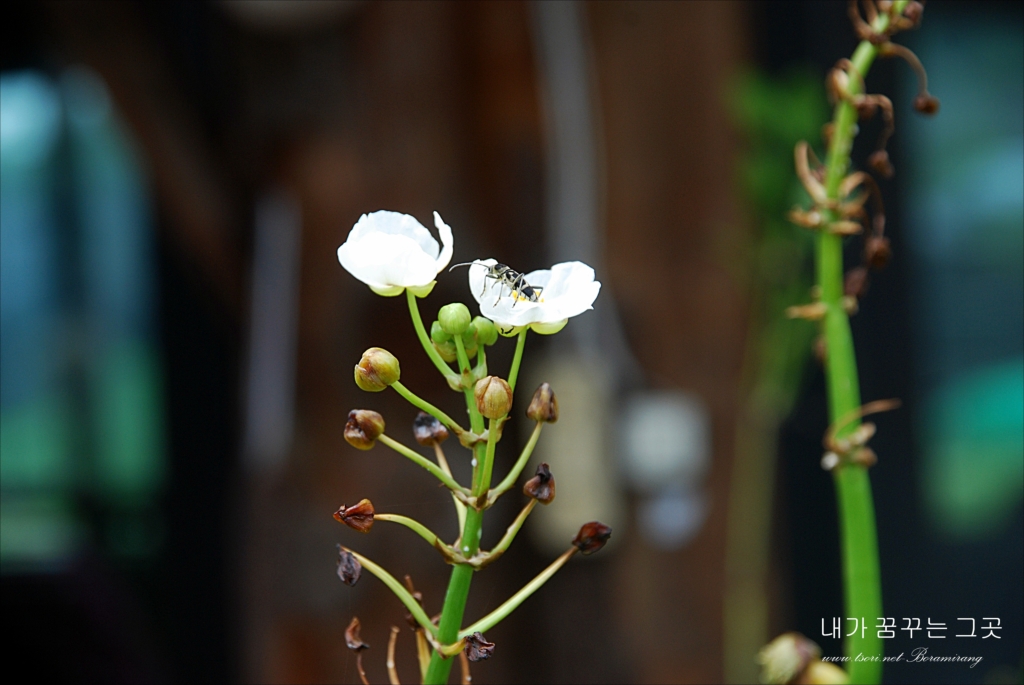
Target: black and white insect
x,y
507,277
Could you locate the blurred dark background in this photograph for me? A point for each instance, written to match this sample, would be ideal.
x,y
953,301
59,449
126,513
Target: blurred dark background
x,y
177,334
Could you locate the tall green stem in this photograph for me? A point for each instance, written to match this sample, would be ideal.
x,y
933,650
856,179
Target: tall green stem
x,y
462,574
861,575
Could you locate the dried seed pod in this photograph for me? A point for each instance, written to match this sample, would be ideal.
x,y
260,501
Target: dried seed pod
x,y
349,567
542,486
478,648
427,430
592,537
358,516
877,251
363,428
926,103
544,405
879,161
913,12
855,283
352,639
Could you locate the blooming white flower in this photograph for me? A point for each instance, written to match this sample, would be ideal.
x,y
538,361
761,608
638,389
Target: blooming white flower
x,y
390,252
563,291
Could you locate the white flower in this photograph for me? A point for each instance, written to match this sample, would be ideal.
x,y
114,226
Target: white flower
x,y
390,252
563,291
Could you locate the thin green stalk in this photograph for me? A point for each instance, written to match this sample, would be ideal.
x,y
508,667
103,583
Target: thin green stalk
x,y
460,508
861,574
421,403
513,529
403,594
480,370
462,574
412,524
485,473
422,461
495,617
421,333
513,372
520,464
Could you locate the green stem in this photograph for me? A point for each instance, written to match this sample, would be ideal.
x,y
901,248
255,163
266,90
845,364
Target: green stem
x,y
460,508
421,333
513,529
462,574
411,524
421,403
455,600
403,595
480,370
495,617
861,574
520,464
420,460
513,373
485,473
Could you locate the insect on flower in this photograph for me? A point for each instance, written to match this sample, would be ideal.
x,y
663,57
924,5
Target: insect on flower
x,y
507,277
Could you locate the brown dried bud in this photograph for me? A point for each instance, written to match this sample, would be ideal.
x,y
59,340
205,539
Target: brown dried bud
x,y
544,405
542,486
785,658
349,567
592,537
855,283
866,109
493,397
879,161
352,638
865,457
358,517
363,428
913,11
926,104
376,370
877,251
428,430
478,648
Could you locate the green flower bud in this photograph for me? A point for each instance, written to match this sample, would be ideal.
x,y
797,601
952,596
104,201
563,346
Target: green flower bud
x,y
377,369
363,428
437,333
469,342
447,350
486,333
454,318
786,657
544,405
493,397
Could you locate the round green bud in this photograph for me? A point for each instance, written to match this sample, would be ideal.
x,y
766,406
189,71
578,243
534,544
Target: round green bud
x,y
377,369
486,333
437,333
454,318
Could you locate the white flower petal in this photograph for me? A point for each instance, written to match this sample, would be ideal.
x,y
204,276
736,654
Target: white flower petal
x,y
565,290
390,251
